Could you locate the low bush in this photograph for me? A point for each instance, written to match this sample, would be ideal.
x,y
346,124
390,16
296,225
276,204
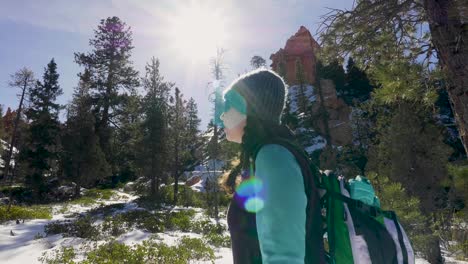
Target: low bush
x,y
19,194
150,251
180,220
218,240
205,226
106,210
64,255
82,227
115,226
92,196
24,212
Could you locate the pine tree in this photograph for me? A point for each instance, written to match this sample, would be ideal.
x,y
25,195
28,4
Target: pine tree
x,y
112,71
178,125
8,123
257,62
154,141
193,130
82,160
40,151
282,71
127,134
374,31
24,80
302,100
287,117
409,149
2,129
335,72
357,85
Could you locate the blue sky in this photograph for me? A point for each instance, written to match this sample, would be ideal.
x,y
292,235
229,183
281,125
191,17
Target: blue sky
x,y
34,31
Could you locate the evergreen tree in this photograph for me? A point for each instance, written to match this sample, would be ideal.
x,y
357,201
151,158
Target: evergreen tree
x,y
376,31
282,71
112,71
335,72
257,62
24,80
193,131
8,123
40,151
82,160
127,134
302,100
289,118
178,124
2,129
154,141
409,149
357,85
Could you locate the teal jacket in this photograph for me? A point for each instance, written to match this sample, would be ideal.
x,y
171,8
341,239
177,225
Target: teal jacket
x,y
281,223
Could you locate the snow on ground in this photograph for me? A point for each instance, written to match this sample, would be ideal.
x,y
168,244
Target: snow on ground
x,y
4,146
24,248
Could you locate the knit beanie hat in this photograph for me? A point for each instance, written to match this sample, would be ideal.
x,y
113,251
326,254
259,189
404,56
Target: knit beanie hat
x,y
263,91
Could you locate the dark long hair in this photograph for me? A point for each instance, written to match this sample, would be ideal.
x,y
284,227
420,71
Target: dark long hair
x,y
256,132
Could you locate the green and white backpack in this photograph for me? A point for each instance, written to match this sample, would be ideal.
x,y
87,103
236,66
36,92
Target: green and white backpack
x,y
356,229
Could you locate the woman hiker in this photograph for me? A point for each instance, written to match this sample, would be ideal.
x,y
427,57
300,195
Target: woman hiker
x,y
270,218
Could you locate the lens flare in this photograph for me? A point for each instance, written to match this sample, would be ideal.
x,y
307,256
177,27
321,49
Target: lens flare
x,y
254,205
249,194
249,187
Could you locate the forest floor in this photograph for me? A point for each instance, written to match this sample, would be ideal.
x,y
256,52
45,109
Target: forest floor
x,y
30,241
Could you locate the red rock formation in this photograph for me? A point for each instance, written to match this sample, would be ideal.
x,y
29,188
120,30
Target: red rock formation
x,y
302,46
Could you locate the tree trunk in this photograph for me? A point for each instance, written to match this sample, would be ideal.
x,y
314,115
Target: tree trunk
x,y
433,254
176,170
12,143
449,31
153,179
215,183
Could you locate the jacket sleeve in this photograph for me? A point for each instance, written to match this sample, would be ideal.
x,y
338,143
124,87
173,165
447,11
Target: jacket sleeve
x,y
281,222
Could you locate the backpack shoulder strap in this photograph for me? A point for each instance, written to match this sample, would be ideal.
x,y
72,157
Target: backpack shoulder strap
x,y
308,169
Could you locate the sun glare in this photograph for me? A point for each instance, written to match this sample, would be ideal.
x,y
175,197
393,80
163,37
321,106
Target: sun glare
x,y
196,31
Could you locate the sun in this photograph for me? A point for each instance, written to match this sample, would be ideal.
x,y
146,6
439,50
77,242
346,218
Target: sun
x,y
196,31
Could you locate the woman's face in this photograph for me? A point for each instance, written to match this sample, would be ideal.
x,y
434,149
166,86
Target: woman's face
x,y
234,123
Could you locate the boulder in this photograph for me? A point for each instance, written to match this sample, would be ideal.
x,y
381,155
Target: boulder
x,y
129,187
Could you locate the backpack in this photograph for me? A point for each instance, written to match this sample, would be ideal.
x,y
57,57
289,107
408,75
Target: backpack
x,y
355,228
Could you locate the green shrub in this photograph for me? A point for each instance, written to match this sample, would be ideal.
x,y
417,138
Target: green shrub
x,y
114,252
152,224
150,251
84,201
82,227
38,236
23,212
144,220
18,193
195,249
57,227
92,196
185,196
218,240
104,194
205,226
181,220
115,226
106,210
64,255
